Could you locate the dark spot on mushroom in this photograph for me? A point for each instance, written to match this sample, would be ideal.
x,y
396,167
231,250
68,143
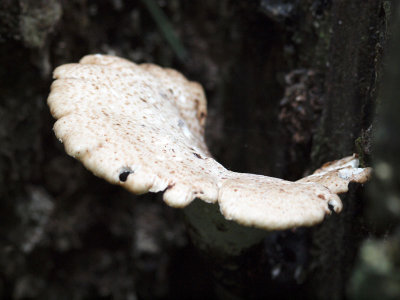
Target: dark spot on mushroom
x,y
144,100
321,196
171,185
123,176
163,95
197,155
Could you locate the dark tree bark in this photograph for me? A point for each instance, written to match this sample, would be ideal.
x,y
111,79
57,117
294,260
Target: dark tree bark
x,y
354,64
369,280
290,84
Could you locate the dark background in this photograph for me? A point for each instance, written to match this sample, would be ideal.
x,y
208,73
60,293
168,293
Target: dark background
x,y
290,85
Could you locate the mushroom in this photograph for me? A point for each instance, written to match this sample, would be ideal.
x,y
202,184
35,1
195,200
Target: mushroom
x,y
142,127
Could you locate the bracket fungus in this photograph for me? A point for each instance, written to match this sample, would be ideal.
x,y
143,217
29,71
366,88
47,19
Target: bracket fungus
x,y
142,127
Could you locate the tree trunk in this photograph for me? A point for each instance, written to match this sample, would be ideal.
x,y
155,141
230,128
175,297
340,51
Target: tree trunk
x,y
354,57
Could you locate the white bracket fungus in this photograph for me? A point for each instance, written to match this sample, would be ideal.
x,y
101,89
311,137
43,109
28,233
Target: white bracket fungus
x,y
142,127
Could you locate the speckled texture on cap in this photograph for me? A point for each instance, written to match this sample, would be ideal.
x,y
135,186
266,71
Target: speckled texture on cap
x,y
142,127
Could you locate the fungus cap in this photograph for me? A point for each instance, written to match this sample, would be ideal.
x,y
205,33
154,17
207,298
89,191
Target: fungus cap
x,y
142,127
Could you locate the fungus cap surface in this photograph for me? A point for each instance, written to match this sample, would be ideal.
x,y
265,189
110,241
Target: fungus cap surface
x,y
142,127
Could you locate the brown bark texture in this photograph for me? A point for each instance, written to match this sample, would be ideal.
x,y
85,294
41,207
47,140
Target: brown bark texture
x,y
290,85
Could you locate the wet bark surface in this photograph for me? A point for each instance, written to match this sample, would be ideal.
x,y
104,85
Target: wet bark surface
x,y
290,84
